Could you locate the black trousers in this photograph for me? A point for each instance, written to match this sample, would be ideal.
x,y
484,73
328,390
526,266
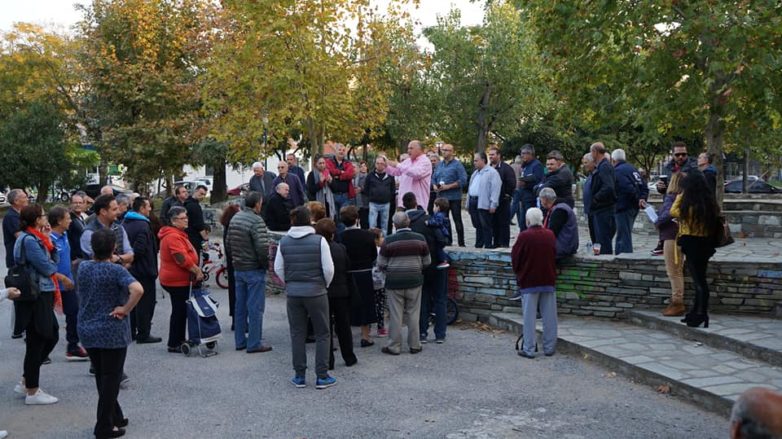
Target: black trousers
x,y
698,250
37,349
500,223
108,364
141,316
363,217
340,323
455,210
177,324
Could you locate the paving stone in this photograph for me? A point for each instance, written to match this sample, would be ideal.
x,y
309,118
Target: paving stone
x,y
712,381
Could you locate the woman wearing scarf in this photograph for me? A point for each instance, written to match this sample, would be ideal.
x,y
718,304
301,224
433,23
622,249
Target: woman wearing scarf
x,y
37,316
318,187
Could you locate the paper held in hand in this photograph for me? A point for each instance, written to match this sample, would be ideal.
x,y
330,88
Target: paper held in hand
x,y
651,213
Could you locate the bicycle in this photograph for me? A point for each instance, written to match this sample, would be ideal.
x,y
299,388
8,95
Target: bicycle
x,y
451,304
209,266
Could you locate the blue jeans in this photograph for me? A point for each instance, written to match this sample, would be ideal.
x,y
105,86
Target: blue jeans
x,y
250,302
340,201
624,230
605,227
382,210
433,297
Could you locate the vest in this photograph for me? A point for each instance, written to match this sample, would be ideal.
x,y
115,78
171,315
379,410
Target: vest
x,y
303,269
567,241
117,229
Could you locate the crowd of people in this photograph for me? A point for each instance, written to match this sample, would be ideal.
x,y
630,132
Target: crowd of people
x,y
360,248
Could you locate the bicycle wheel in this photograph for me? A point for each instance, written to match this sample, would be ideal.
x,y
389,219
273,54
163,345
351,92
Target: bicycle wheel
x,y
452,310
222,278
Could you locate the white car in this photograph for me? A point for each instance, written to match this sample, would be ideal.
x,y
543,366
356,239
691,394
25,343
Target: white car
x,y
2,198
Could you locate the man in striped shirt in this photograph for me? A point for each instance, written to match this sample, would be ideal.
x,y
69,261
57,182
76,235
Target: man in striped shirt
x,y
403,257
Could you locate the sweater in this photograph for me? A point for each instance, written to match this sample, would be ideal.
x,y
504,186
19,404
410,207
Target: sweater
x,y
533,259
173,273
404,256
248,241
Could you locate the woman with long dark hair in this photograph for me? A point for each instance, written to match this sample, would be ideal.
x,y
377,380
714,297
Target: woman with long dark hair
x,y
225,219
698,213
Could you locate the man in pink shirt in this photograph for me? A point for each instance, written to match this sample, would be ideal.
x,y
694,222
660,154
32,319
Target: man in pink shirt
x,y
415,174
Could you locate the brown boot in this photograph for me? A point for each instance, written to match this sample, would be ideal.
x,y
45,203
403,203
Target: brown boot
x,y
675,308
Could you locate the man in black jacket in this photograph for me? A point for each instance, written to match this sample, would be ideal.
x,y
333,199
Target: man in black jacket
x,y
434,292
78,223
559,178
196,227
143,268
379,189
501,217
277,210
178,199
603,199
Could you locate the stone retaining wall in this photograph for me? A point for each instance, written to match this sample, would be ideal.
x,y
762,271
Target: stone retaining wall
x,y
608,286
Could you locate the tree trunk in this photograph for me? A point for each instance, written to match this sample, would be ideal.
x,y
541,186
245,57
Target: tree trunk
x,y
483,119
169,185
715,130
745,172
103,170
219,187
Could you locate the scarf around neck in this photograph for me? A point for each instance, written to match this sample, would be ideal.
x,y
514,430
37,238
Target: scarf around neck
x,y
324,195
49,246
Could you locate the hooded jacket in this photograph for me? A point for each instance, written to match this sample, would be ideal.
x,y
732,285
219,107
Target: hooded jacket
x,y
304,261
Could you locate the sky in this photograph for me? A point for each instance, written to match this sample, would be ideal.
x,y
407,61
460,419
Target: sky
x,y
61,14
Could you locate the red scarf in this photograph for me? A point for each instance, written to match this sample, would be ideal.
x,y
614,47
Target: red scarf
x,y
47,243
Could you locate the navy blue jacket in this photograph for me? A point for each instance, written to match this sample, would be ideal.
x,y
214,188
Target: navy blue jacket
x,y
603,187
630,187
532,175
144,244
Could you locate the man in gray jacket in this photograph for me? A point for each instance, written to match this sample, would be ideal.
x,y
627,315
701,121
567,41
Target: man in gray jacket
x,y
248,244
304,261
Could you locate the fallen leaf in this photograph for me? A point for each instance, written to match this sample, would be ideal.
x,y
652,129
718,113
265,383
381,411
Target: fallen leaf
x,y
664,389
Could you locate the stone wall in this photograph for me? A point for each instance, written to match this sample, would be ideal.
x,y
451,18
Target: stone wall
x,y
608,286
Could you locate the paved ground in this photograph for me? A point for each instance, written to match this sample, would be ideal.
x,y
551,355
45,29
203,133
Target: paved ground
x,y
760,249
474,386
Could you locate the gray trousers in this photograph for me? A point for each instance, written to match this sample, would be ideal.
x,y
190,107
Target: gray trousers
x,y
405,302
548,311
317,309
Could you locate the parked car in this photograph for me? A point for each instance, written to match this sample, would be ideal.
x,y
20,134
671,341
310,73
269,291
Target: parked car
x,y
239,190
204,181
753,187
2,198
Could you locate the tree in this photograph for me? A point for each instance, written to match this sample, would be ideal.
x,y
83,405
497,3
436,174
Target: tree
x,y
670,67
142,60
317,67
486,78
33,148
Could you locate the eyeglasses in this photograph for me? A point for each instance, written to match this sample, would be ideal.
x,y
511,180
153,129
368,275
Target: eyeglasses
x,y
181,218
680,154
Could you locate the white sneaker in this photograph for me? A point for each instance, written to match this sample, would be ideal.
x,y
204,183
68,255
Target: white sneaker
x,y
3,434
40,398
19,389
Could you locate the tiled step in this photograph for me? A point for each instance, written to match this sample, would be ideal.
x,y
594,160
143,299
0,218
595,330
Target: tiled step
x,y
759,338
710,377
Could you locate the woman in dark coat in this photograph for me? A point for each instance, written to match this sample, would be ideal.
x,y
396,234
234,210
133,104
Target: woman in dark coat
x,y
360,246
225,219
339,294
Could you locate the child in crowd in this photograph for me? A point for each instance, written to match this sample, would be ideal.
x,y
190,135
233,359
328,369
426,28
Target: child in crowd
x,y
440,223
379,284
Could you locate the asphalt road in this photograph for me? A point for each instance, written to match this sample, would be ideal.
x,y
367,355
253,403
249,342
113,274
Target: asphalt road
x,y
473,386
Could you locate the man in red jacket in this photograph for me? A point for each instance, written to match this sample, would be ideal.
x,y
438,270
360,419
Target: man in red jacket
x,y
342,173
533,259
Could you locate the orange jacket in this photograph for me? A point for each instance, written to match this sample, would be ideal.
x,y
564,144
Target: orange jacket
x,y
173,273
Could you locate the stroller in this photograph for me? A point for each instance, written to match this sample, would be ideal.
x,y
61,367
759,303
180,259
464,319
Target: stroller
x,y
203,327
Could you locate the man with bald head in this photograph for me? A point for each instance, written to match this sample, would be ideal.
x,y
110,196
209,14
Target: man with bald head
x,y
415,174
757,414
296,194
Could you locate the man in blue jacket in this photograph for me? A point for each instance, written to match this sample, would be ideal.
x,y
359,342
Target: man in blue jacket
x,y
603,199
531,176
630,190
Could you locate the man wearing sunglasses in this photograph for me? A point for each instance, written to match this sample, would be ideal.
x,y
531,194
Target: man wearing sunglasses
x,y
681,162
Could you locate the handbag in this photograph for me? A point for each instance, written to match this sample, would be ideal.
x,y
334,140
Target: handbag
x,y
722,235
21,277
